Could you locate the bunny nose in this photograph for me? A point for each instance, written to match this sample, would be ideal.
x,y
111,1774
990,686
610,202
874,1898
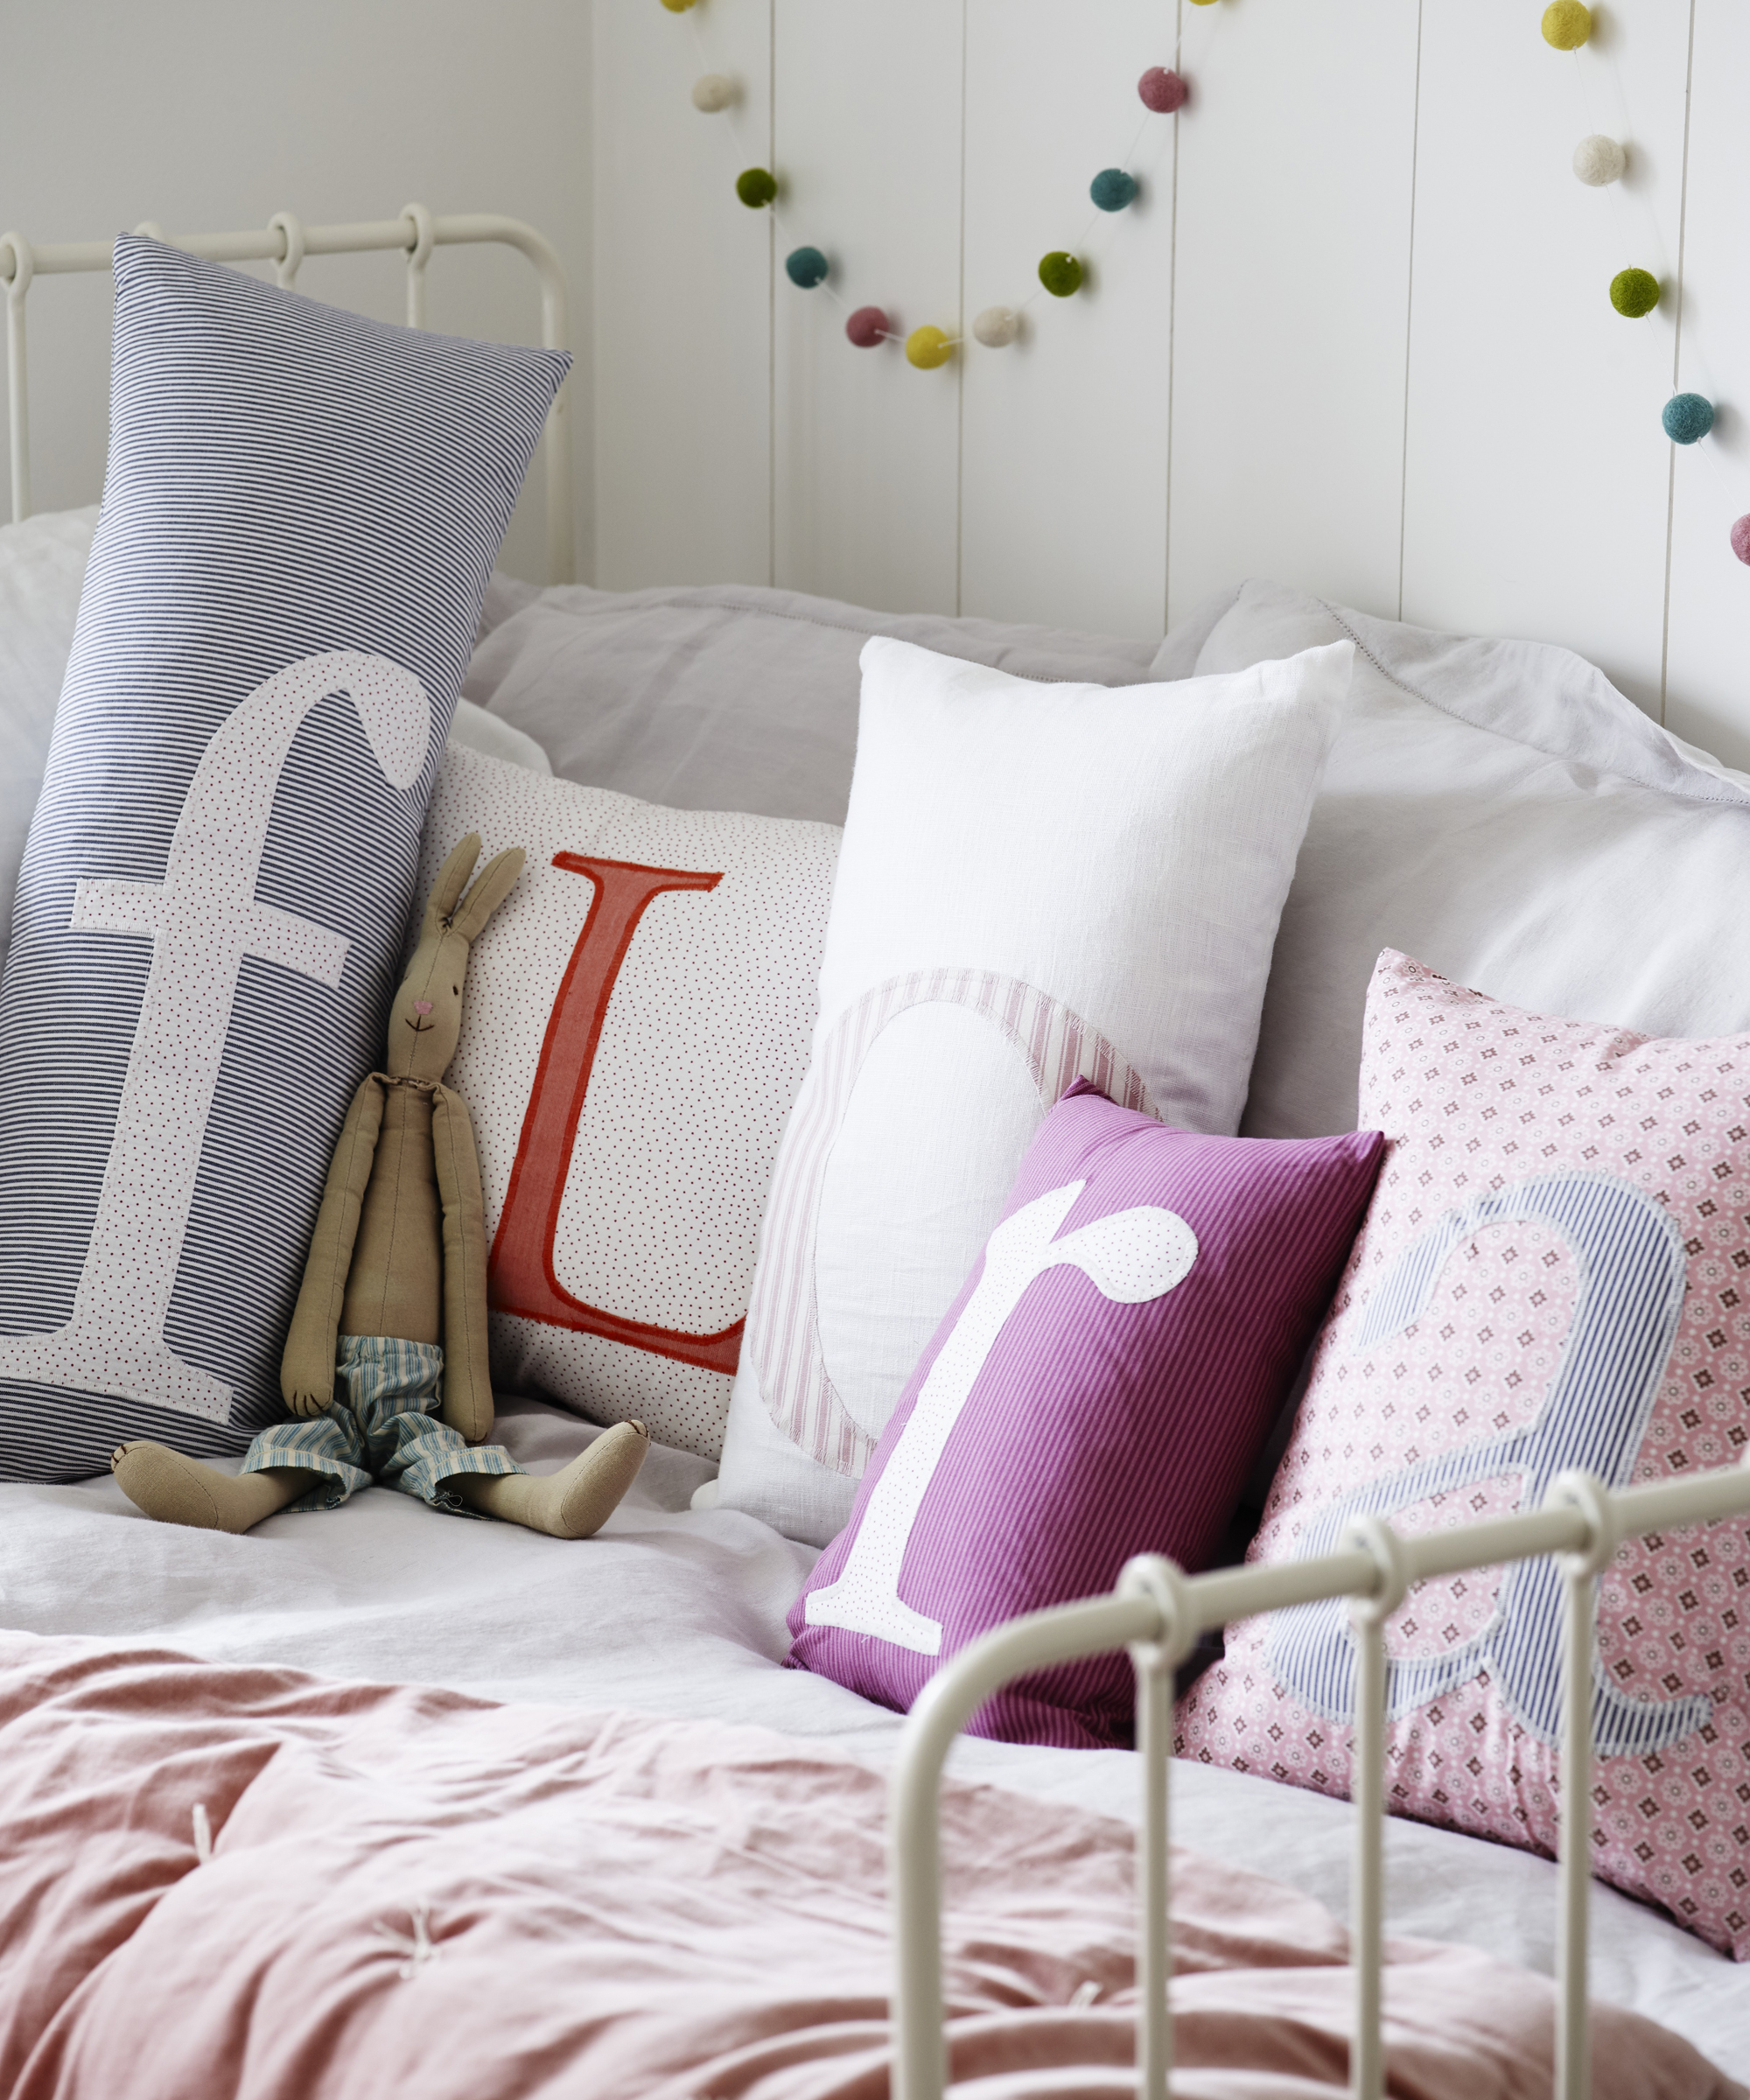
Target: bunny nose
x,y
422,1005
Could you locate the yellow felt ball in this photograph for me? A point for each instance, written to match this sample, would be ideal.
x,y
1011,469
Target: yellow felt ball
x,y
1567,24
927,348
677,7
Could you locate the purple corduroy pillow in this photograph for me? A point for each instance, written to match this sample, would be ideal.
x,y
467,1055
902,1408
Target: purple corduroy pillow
x,y
1101,1387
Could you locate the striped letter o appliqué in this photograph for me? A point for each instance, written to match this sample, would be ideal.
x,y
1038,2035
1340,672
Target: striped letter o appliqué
x,y
783,1340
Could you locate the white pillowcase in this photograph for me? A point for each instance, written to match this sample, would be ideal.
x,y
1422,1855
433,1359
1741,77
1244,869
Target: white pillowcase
x,y
635,1033
1498,810
1036,883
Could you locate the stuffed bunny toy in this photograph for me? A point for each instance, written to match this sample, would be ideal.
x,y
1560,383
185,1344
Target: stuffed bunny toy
x,y
392,1308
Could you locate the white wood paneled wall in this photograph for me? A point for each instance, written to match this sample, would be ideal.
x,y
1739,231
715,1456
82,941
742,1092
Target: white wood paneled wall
x,y
1355,334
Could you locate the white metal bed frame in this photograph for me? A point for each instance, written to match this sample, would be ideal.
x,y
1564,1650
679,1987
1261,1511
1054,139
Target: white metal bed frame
x,y
1159,1612
286,242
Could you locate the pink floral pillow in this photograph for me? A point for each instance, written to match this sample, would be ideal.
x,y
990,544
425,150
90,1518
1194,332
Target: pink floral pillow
x,y
1552,1274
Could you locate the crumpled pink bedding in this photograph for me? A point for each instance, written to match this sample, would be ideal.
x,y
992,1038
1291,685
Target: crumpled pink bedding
x,y
412,1892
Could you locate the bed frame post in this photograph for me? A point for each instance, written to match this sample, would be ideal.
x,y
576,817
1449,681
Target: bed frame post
x,y
1368,1615
1158,1580
1157,1614
18,371
285,242
1580,1570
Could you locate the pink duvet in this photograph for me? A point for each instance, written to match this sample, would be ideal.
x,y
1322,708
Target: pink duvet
x,y
413,1893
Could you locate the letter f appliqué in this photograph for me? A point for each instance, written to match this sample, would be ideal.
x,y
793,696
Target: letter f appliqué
x,y
202,919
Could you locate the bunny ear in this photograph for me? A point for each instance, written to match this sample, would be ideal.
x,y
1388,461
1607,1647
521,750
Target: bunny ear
x,y
488,893
452,880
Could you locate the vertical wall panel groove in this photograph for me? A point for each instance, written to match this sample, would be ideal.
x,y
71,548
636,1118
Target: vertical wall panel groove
x,y
1707,688
1538,470
869,150
1288,329
682,281
1066,430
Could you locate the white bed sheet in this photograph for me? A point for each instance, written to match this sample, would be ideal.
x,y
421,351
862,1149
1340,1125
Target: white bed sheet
x,y
674,1611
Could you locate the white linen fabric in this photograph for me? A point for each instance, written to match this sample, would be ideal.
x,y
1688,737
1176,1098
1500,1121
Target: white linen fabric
x,y
1037,883
676,1613
637,1025
726,696
1500,811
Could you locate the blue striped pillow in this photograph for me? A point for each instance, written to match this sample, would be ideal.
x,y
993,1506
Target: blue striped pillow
x,y
300,513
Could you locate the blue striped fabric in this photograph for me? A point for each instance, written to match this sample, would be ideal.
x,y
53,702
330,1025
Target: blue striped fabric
x,y
286,482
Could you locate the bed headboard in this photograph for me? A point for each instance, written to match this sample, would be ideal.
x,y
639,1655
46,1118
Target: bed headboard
x,y
287,242
1354,335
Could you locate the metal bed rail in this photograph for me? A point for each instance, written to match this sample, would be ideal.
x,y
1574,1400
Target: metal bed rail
x,y
1158,1613
287,242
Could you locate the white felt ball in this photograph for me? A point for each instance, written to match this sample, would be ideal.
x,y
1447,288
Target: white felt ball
x,y
713,91
1598,160
997,327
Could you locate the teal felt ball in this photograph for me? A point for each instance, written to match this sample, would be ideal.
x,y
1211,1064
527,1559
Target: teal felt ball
x,y
756,187
1059,273
1112,189
806,267
1635,292
1687,418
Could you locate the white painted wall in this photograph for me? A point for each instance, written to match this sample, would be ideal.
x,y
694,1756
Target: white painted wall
x,y
210,114
1380,364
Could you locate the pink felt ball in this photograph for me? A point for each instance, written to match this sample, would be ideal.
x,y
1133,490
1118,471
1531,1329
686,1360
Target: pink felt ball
x,y
867,327
1740,538
1162,90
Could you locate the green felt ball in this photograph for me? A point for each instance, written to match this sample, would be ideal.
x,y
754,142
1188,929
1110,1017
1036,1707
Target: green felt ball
x,y
756,187
1060,274
1567,24
1635,292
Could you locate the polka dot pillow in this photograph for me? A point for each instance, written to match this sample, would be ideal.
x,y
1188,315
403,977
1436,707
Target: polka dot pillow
x,y
638,1024
1552,1274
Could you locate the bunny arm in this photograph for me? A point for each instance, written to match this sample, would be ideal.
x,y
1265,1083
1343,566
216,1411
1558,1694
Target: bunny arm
x,y
306,1371
467,1374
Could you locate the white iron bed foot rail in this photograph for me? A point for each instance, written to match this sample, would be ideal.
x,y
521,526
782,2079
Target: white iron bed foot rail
x,y
286,242
1159,1612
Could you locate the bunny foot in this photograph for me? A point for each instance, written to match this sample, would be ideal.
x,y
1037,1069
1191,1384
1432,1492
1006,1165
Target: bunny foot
x,y
178,1490
576,1501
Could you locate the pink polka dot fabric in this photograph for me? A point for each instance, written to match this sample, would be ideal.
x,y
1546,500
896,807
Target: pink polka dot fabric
x,y
1552,1274
1100,1388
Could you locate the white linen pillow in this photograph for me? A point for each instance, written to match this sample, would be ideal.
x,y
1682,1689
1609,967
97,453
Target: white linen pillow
x,y
1037,883
1500,811
637,1025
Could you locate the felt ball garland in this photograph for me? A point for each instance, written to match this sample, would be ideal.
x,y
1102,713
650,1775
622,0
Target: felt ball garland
x,y
1566,25
1162,90
1600,161
806,267
1112,189
1687,417
1635,292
